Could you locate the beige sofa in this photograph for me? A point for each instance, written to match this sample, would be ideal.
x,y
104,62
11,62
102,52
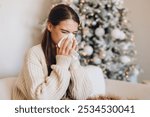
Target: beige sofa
x,y
118,88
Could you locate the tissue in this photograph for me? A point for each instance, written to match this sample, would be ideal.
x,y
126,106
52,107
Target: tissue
x,y
70,36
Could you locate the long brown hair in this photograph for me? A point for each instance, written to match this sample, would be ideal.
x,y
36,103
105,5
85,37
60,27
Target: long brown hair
x,y
57,14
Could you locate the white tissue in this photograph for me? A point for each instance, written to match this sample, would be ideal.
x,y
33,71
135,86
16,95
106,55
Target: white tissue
x,y
70,36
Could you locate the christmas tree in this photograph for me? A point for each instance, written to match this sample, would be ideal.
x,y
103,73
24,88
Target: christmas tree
x,y
105,38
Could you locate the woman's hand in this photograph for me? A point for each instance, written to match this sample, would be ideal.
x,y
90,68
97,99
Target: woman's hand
x,y
67,47
74,45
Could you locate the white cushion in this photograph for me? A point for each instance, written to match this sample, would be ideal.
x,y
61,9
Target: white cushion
x,y
97,80
6,85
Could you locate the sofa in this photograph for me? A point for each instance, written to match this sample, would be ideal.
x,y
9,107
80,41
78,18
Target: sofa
x,y
123,89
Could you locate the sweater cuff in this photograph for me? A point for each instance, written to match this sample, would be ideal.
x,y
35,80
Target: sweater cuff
x,y
75,63
63,60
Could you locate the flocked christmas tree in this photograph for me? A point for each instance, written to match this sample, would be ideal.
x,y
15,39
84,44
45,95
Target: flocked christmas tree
x,y
105,38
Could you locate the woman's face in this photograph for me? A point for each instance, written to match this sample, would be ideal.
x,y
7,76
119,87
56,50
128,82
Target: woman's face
x,y
63,28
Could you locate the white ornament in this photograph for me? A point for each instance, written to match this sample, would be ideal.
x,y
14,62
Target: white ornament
x,y
118,3
133,77
101,43
99,32
96,60
122,35
94,23
88,50
115,33
125,59
125,46
136,72
118,34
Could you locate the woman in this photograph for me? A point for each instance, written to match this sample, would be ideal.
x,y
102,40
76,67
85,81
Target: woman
x,y
52,72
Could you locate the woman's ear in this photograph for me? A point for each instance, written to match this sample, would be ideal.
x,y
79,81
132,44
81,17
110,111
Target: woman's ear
x,y
49,26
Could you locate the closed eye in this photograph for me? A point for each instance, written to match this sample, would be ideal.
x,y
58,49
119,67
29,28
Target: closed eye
x,y
64,32
67,32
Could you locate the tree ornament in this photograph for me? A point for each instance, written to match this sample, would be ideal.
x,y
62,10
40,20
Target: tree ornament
x,y
118,34
88,50
99,32
125,59
94,23
96,60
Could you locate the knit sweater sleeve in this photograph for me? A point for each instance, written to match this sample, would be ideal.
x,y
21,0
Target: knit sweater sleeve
x,y
40,86
85,81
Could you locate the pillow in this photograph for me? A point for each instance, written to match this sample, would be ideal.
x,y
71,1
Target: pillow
x,y
6,85
97,80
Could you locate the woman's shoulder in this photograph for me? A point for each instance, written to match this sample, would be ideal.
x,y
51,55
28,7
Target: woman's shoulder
x,y
36,48
35,51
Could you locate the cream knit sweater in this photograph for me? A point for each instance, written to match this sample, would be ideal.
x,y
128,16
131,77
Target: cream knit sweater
x,y
68,78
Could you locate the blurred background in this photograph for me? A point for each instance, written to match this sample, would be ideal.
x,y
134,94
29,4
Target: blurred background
x,y
20,29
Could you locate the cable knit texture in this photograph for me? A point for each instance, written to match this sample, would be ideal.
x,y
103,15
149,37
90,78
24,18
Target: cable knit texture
x,y
68,79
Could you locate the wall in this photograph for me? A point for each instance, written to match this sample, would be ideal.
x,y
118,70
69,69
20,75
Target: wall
x,y
19,30
140,19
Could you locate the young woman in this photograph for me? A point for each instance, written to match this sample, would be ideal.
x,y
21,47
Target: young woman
x,y
54,72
